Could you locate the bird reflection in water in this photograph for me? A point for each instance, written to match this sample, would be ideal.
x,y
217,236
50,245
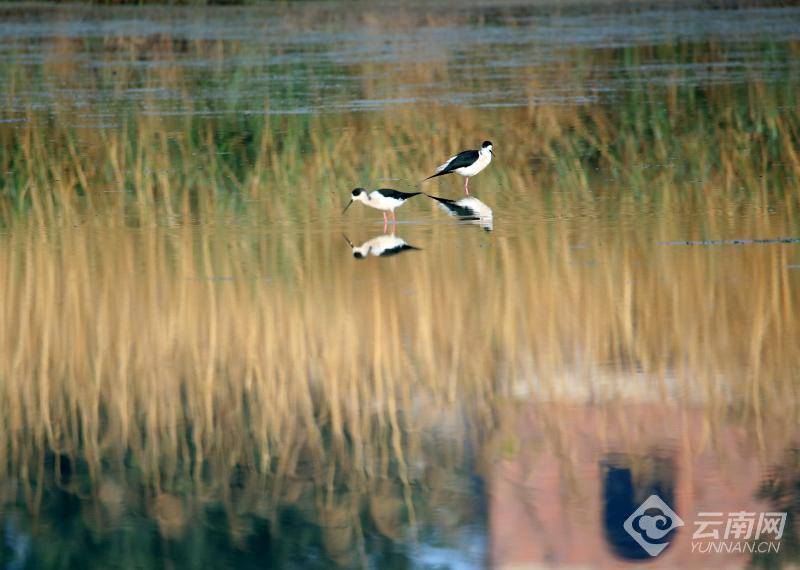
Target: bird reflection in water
x,y
381,246
469,209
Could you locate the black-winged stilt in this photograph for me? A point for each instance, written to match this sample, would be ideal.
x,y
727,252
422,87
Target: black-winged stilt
x,y
381,246
384,199
468,209
467,163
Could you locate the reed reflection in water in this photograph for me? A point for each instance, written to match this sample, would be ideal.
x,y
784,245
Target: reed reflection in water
x,y
156,360
194,369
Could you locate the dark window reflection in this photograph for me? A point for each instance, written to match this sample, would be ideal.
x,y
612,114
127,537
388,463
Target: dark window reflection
x,y
627,481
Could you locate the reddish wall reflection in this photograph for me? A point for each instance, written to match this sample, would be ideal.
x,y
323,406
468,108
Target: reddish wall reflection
x,y
546,480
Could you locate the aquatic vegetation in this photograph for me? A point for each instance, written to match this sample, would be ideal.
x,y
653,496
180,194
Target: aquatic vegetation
x,y
185,336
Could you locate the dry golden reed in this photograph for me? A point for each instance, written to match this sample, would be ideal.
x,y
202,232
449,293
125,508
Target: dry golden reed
x,y
176,294
108,330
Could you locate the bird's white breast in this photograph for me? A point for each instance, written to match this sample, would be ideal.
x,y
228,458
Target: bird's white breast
x,y
379,244
482,212
483,161
381,202
477,207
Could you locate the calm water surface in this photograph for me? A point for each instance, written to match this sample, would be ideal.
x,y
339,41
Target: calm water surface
x,y
203,364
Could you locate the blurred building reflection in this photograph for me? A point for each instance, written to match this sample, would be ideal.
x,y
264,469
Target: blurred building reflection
x,y
567,477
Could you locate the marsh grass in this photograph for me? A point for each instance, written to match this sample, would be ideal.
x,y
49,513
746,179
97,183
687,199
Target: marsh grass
x,y
178,310
287,168
194,355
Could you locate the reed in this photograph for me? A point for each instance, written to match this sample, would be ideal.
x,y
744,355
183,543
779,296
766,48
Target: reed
x,y
180,313
198,356
234,153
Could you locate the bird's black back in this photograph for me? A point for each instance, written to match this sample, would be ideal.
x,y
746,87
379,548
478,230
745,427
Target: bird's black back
x,y
460,211
397,249
461,160
396,194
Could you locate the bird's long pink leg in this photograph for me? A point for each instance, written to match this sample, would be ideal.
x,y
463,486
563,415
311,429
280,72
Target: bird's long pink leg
x,y
466,185
385,222
394,218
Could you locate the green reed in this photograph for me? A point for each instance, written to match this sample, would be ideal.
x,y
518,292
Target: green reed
x,y
187,163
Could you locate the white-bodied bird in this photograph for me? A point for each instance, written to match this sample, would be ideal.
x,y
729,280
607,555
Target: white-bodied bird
x,y
469,209
384,199
381,246
467,163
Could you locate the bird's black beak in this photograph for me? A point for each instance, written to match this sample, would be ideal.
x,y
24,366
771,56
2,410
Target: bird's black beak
x,y
493,154
350,203
350,243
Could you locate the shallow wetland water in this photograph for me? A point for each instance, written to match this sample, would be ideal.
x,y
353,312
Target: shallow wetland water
x,y
197,371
